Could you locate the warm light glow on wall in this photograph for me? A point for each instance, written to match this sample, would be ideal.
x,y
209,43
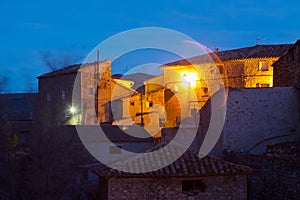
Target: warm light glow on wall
x,y
190,77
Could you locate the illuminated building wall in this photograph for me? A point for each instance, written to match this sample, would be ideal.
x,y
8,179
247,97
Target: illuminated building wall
x,y
250,73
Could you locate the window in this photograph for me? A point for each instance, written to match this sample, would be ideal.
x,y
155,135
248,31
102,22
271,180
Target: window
x,y
91,91
49,98
193,186
194,107
264,85
205,91
132,103
221,69
115,149
263,66
67,115
291,57
175,88
63,94
150,104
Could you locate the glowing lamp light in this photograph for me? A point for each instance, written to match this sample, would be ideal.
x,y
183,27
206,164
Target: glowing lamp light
x,y
72,110
190,77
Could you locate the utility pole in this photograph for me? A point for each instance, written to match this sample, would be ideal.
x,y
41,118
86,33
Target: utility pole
x,y
142,119
96,79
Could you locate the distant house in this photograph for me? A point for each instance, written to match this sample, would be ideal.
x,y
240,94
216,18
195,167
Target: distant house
x,y
162,101
58,103
72,94
287,67
189,177
187,84
18,111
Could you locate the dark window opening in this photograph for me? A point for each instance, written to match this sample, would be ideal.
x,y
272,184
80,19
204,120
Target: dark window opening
x,y
132,103
63,94
221,69
49,98
150,104
291,58
193,186
205,91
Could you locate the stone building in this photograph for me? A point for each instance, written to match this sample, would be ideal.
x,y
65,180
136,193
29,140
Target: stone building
x,y
67,95
254,119
187,84
180,92
189,177
287,67
72,95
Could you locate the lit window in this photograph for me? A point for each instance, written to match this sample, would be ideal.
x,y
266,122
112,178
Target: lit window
x,y
193,186
264,85
175,88
63,94
263,66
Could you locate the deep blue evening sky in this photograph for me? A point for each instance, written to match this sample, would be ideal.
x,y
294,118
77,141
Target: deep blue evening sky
x,y
73,28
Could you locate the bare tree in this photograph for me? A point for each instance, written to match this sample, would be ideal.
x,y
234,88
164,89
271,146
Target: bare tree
x,y
48,60
54,61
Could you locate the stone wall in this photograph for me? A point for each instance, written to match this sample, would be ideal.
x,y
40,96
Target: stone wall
x,y
221,187
246,73
287,68
104,92
256,77
276,174
53,107
255,115
234,71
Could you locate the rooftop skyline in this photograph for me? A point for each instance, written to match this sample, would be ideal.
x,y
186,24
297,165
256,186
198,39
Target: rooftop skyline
x,y
67,32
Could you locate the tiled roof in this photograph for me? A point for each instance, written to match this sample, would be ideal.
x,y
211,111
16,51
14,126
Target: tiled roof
x,y
290,51
258,51
66,70
69,69
188,165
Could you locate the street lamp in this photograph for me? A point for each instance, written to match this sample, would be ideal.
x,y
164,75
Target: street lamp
x,y
72,110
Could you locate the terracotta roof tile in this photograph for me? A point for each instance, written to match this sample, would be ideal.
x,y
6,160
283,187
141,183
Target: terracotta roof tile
x,y
258,51
66,70
188,165
69,69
